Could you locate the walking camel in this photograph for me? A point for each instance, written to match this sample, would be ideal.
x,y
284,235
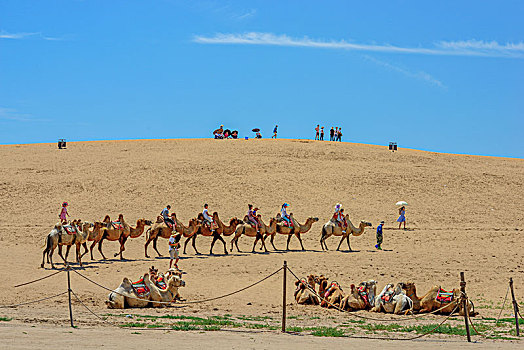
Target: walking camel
x,y
160,229
64,235
296,230
332,228
248,230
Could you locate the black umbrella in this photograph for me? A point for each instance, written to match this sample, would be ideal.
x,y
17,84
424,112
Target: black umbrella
x,y
256,130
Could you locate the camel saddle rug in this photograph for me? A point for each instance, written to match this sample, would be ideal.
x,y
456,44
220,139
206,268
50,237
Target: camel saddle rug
x,y
140,288
362,291
117,225
331,288
444,296
161,283
69,229
387,297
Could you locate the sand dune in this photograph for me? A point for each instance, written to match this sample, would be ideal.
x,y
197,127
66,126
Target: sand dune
x,y
465,214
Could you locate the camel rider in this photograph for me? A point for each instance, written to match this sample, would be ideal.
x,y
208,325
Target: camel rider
x,y
252,217
339,217
284,215
207,219
167,219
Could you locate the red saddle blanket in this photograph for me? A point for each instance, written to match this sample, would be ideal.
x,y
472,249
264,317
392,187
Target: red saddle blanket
x,y
69,229
388,296
444,296
140,288
117,225
161,283
362,291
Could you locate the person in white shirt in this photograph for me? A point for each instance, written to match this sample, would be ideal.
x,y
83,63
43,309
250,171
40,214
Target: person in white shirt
x,y
174,245
205,213
284,215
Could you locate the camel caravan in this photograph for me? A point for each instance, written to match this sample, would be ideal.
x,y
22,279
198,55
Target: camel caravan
x,y
78,233
393,299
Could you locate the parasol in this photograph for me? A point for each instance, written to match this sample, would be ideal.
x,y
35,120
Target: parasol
x,y
401,203
256,130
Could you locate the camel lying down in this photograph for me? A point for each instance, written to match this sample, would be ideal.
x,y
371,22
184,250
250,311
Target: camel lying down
x,y
126,296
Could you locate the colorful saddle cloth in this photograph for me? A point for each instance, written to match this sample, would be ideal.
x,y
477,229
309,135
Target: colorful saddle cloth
x,y
69,229
444,296
140,288
161,283
117,225
331,289
362,291
387,297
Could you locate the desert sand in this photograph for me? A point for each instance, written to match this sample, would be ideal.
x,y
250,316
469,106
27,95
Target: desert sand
x,y
465,213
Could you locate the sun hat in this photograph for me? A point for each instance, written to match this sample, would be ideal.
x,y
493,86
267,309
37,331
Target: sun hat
x,y
382,222
65,204
285,204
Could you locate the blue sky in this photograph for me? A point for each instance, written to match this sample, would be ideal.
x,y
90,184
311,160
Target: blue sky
x,y
444,76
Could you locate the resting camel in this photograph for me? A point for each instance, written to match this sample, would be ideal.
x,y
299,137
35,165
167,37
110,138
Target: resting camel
x,y
64,235
216,233
393,300
296,230
248,230
160,229
361,297
429,303
125,294
303,294
331,228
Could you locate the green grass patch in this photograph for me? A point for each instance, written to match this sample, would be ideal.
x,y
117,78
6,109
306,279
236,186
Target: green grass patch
x,y
421,329
134,325
5,319
211,328
256,318
184,327
328,332
511,320
294,329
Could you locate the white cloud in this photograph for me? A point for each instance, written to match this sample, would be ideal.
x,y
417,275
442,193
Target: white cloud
x,y
5,35
420,75
451,48
247,15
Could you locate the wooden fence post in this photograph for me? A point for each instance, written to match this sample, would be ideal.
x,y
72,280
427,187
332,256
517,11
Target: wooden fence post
x,y
284,298
515,306
464,304
69,293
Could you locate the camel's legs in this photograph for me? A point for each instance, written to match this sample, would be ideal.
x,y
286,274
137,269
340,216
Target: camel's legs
x,y
100,248
156,250
60,252
122,241
300,240
193,243
255,244
186,242
85,249
349,246
67,251
51,257
233,241
78,256
236,243
272,241
264,243
216,237
91,249
342,240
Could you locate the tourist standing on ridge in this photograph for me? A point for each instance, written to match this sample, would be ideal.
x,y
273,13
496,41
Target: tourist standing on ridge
x,y
322,134
331,134
317,137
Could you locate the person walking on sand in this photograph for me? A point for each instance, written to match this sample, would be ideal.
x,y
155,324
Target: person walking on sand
x,y
275,132
402,217
317,134
379,236
63,213
174,245
322,134
331,134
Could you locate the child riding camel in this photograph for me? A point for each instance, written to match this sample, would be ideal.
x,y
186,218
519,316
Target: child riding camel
x,y
63,213
208,220
285,216
252,217
340,217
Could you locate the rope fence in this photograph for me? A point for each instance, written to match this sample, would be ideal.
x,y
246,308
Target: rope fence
x,y
462,300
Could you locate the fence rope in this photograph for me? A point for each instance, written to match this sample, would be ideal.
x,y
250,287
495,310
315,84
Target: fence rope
x,y
371,318
91,311
503,304
33,301
39,279
184,302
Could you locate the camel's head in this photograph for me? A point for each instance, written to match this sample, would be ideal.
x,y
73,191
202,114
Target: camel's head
x,y
148,222
312,219
200,217
311,279
107,219
407,286
365,223
322,282
215,215
159,219
173,272
120,217
153,271
176,281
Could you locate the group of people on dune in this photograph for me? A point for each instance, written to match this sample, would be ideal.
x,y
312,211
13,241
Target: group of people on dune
x,y
335,133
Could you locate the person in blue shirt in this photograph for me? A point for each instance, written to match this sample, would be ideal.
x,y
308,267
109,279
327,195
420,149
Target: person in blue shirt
x,y
275,132
167,219
379,235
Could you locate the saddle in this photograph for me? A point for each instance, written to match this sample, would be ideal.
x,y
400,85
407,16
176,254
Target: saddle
x,y
362,291
140,288
69,229
161,283
331,288
117,225
387,297
444,296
